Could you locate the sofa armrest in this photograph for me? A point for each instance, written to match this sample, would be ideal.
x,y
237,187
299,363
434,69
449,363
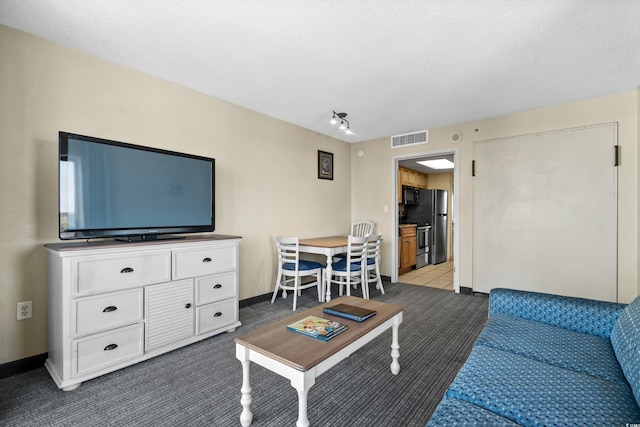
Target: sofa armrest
x,y
576,314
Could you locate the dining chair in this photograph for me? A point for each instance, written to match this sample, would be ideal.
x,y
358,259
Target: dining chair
x,y
291,269
362,228
359,229
373,262
351,270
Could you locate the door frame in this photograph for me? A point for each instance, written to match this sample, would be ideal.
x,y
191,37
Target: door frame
x,y
455,202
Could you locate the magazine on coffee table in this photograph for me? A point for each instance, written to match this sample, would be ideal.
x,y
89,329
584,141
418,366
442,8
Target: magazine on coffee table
x,y
352,312
318,327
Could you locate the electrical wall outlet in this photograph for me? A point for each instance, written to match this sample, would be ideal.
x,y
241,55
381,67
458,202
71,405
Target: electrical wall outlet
x,y
24,310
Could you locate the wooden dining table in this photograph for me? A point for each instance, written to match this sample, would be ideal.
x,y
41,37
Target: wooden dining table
x,y
328,246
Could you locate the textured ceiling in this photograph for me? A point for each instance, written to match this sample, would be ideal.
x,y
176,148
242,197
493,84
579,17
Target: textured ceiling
x,y
394,66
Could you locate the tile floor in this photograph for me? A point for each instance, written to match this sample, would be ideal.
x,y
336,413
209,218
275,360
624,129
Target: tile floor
x,y
435,276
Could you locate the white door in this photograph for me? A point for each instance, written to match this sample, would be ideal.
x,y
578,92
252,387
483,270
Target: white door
x,y
545,213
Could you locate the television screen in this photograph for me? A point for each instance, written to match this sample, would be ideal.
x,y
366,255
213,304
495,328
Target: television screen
x,y
114,189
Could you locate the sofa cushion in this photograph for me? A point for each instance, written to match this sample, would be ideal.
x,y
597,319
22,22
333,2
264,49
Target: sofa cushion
x,y
455,412
625,340
577,351
534,393
577,314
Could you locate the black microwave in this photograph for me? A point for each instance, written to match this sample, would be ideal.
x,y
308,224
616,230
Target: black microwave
x,y
410,196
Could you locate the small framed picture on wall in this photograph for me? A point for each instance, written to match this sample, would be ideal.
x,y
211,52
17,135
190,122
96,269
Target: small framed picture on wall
x,y
325,165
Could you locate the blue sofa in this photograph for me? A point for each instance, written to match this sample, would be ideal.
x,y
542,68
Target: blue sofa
x,y
549,360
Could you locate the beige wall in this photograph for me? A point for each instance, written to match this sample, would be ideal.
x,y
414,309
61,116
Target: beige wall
x,y
265,169
374,170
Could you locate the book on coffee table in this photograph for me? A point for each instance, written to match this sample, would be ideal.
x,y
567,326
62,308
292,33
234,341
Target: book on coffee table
x,y
352,312
318,327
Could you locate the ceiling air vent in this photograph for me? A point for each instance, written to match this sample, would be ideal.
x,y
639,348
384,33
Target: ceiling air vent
x,y
407,139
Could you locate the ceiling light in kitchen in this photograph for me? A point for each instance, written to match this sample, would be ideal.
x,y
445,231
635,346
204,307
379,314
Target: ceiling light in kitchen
x,y
437,164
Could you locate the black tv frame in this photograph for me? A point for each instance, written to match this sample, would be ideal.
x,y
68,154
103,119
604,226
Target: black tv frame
x,y
134,233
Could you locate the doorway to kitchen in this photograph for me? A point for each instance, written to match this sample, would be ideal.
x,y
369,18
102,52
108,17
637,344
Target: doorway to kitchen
x,y
426,223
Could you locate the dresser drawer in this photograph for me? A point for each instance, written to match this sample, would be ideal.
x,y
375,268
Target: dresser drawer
x,y
100,274
215,288
213,316
204,261
108,311
106,349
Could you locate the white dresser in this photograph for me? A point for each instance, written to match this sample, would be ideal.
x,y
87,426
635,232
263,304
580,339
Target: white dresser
x,y
113,304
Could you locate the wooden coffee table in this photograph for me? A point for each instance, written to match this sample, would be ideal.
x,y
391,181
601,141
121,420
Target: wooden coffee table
x,y
301,359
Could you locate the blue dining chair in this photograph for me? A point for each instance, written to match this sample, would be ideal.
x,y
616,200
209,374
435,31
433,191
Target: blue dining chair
x,y
291,269
373,262
352,269
360,228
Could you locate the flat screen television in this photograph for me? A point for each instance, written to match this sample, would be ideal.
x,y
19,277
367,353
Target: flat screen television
x,y
130,192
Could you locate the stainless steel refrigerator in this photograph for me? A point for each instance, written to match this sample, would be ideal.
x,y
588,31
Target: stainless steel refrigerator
x,y
432,210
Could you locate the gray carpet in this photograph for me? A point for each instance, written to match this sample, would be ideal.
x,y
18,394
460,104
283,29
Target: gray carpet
x,y
200,385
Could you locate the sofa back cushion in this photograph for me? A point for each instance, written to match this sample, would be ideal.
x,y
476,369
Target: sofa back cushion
x,y
577,314
625,340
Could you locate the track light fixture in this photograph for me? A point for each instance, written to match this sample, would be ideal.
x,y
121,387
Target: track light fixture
x,y
342,119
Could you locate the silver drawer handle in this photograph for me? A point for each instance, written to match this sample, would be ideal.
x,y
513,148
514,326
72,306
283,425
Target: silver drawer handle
x,y
126,270
207,259
111,347
110,309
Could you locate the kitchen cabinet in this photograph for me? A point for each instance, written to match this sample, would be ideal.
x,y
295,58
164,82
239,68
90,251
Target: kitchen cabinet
x,y
408,246
410,178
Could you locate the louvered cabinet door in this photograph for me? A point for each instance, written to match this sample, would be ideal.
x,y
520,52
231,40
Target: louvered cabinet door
x,y
169,313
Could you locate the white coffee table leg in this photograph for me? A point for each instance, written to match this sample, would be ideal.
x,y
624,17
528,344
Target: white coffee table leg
x,y
395,347
246,417
302,384
303,419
